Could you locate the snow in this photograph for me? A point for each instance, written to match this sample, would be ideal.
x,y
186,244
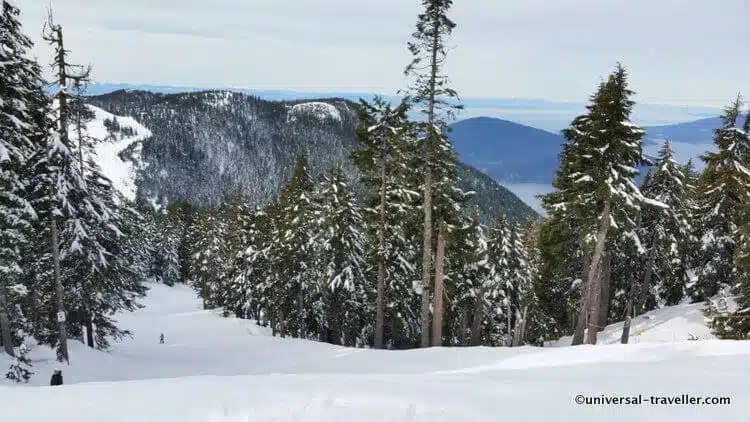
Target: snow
x,y
318,109
224,369
668,325
122,173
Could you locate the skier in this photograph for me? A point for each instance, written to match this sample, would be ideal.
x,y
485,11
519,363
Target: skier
x,y
161,338
57,378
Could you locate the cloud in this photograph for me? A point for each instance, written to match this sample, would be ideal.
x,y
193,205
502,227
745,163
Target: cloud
x,y
677,51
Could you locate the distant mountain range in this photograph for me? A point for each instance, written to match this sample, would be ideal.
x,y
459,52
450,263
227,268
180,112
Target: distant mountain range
x,y
200,144
510,152
514,142
543,114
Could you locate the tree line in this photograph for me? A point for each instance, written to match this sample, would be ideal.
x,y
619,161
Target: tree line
x,y
409,266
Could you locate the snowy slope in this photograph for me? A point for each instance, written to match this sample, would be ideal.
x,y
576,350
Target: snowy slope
x,y
667,325
232,370
317,109
121,172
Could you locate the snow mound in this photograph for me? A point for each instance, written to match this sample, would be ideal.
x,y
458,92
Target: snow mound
x,y
317,109
212,368
666,325
120,170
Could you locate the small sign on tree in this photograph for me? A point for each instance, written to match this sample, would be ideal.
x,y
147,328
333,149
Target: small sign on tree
x,y
61,316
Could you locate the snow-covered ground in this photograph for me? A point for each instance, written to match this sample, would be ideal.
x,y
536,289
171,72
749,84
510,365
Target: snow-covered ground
x,y
223,369
121,172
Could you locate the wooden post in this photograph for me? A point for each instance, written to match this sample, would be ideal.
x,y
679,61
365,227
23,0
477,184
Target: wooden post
x,y
437,322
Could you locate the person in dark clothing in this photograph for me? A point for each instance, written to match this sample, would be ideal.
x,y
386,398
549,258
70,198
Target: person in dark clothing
x,y
57,378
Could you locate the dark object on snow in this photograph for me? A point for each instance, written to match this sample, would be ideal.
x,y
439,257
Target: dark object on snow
x,y
57,378
161,338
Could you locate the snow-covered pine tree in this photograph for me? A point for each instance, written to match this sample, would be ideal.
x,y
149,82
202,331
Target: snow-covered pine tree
x,y
240,237
19,93
563,248
736,325
95,279
383,160
472,286
536,323
723,189
430,90
503,294
169,235
184,213
666,233
292,254
209,247
521,276
20,369
247,282
608,156
340,261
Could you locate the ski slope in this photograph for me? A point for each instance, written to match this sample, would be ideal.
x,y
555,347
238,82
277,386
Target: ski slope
x,y
121,172
223,369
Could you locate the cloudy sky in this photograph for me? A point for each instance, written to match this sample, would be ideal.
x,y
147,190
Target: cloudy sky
x,y
689,52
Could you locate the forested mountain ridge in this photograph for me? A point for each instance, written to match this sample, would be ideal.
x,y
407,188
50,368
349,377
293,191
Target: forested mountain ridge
x,y
203,143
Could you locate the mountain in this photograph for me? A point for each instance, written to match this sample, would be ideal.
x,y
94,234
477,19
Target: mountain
x,y
203,143
507,151
695,132
513,153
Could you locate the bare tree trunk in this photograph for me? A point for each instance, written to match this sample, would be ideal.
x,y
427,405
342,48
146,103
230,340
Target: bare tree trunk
x,y
380,300
630,304
580,327
426,258
606,279
464,324
647,276
595,273
509,339
522,330
476,322
437,322
63,334
519,329
5,320
301,315
427,204
89,331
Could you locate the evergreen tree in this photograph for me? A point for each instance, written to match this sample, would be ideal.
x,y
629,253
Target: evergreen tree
x,y
209,257
599,198
240,237
430,90
724,188
93,277
168,240
666,233
383,160
340,262
247,280
473,287
291,253
19,93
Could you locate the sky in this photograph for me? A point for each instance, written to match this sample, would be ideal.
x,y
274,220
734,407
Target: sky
x,y
680,52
